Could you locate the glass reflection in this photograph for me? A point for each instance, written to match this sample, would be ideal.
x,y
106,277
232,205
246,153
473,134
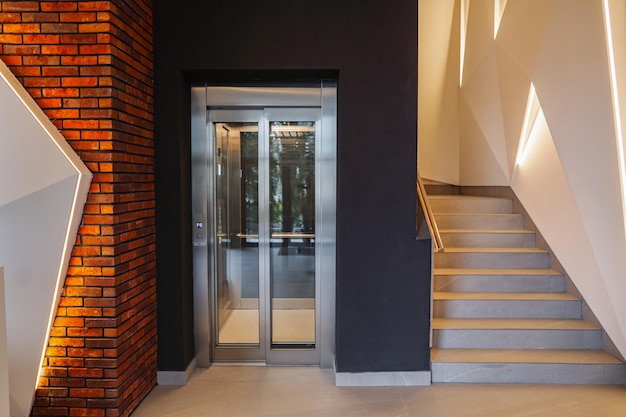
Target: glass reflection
x,y
292,243
237,227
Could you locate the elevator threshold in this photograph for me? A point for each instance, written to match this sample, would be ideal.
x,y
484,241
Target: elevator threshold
x,y
258,364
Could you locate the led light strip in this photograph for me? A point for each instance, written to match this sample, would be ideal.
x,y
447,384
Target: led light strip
x,y
616,107
464,16
530,117
499,6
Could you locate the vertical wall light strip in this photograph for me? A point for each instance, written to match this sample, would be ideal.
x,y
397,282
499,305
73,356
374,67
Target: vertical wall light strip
x,y
616,105
498,11
530,116
463,37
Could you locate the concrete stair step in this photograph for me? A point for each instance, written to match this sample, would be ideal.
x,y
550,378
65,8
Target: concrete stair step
x,y
478,221
516,334
505,305
437,188
488,238
470,204
560,366
500,314
454,257
498,280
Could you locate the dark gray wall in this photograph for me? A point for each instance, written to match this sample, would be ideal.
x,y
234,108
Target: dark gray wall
x,y
370,47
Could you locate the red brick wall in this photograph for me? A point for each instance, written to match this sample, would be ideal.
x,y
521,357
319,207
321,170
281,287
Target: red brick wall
x,y
89,66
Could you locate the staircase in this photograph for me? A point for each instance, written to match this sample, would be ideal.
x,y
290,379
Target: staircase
x,y
500,314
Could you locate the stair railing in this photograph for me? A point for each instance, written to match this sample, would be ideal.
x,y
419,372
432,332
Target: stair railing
x,y
430,218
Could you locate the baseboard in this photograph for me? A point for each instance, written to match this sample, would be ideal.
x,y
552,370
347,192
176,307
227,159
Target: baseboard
x,y
176,377
382,379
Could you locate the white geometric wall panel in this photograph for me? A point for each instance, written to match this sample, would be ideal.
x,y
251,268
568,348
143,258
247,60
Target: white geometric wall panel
x,y
481,92
438,89
540,178
572,178
43,189
478,160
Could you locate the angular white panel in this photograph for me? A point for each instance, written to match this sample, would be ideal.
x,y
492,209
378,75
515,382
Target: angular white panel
x,y
43,188
478,165
573,84
479,37
522,32
482,94
499,6
529,126
517,47
615,27
542,186
514,85
438,95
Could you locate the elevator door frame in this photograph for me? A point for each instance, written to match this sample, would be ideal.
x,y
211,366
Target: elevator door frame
x,y
322,96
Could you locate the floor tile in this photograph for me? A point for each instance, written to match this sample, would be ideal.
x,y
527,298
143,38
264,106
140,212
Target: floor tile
x,y
241,391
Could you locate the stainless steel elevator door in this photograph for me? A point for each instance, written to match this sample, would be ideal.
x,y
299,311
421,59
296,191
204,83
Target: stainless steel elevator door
x,y
265,237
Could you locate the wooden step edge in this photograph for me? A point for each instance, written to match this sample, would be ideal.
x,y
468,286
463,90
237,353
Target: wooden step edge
x,y
524,356
496,250
474,213
467,197
442,323
488,231
503,296
496,271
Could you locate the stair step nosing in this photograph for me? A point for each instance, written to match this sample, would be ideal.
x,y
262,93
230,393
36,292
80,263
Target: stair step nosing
x,y
502,296
496,271
525,356
488,250
442,323
488,231
466,213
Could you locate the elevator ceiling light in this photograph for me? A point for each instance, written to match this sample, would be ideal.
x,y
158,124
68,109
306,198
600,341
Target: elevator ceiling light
x,y
293,128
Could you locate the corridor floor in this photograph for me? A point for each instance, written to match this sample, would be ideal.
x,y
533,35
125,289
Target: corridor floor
x,y
242,391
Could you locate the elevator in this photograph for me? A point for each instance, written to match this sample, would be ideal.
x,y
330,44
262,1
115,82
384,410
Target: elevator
x,y
263,223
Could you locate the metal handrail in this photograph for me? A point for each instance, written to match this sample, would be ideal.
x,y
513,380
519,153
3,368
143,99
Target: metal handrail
x,y
430,218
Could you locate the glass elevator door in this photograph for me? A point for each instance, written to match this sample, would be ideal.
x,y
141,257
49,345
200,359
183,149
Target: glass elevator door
x,y
264,280
263,167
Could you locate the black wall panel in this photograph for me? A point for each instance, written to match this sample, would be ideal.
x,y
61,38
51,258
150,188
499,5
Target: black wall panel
x,y
370,47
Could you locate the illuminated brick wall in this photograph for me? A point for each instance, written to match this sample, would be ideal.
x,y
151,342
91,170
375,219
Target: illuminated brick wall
x,y
89,66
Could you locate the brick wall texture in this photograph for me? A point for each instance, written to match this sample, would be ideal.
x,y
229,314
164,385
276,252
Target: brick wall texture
x,y
88,64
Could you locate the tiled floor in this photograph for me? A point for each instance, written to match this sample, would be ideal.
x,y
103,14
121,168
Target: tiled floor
x,y
235,391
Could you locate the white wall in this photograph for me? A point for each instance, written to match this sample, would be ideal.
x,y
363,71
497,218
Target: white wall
x,y
43,188
437,98
570,179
